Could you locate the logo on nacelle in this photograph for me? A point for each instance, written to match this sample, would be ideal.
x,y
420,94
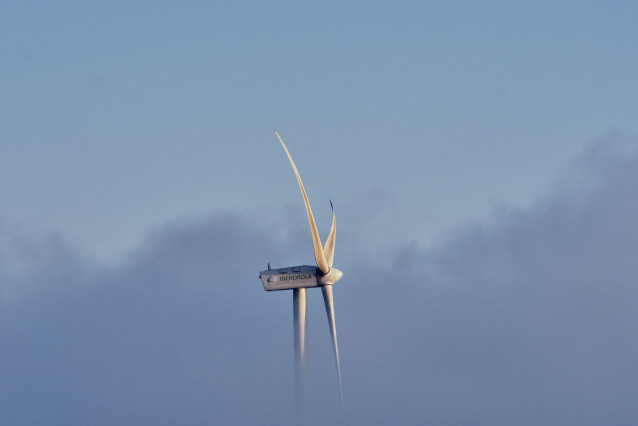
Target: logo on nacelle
x,y
295,277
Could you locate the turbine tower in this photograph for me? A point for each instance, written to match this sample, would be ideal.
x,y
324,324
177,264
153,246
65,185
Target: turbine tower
x,y
298,279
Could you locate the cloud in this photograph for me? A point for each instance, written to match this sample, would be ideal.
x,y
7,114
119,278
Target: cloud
x,y
176,336
530,320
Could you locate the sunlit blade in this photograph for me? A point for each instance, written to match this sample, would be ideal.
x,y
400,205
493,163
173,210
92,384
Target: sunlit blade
x,y
329,247
320,258
328,300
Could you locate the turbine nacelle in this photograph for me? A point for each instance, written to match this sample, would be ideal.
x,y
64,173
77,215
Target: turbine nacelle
x,y
304,276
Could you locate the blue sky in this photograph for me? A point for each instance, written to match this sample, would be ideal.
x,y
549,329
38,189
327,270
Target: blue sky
x,y
139,136
120,117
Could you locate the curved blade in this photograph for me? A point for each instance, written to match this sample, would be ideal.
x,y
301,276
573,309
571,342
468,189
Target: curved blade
x,y
320,258
329,302
329,247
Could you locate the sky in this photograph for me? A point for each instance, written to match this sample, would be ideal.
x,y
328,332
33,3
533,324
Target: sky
x,y
482,159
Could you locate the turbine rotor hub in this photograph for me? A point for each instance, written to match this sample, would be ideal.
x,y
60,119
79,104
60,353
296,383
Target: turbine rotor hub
x,y
331,277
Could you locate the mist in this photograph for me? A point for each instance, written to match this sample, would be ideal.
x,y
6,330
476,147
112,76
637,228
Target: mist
x,y
530,319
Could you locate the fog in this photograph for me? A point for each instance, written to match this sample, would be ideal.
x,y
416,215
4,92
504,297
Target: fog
x,y
529,319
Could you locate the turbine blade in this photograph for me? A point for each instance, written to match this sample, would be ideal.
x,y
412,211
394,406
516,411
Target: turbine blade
x,y
329,247
329,302
320,258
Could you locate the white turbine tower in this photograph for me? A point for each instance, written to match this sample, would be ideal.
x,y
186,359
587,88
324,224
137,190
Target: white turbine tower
x,y
298,278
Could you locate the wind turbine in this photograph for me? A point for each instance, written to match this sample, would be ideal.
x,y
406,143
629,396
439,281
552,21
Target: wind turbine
x,y
299,278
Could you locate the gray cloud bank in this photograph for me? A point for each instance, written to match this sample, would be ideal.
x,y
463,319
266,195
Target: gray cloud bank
x,y
531,320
